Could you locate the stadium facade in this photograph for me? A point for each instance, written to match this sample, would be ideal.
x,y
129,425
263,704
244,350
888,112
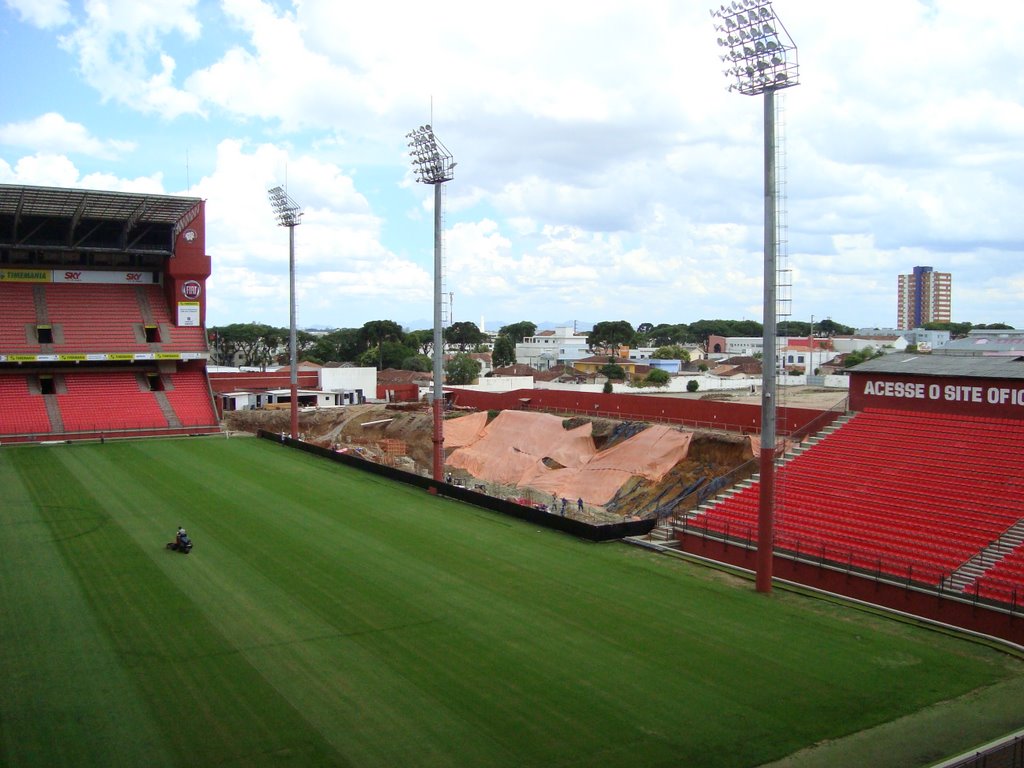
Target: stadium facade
x,y
102,314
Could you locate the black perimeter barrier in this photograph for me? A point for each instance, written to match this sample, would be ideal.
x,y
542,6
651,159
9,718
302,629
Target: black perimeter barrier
x,y
1009,754
578,528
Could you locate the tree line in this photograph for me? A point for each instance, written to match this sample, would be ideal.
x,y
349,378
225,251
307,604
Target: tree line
x,y
385,344
378,343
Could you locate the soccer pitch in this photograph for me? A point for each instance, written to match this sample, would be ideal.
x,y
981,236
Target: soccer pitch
x,y
331,617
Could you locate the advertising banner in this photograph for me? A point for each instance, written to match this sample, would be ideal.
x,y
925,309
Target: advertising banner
x,y
188,314
994,398
25,275
117,277
94,276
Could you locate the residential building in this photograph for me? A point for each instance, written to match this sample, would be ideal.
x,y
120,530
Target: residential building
x,y
926,341
925,296
593,364
549,348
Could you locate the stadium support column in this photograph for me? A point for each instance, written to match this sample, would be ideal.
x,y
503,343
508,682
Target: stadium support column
x,y
433,164
288,214
762,58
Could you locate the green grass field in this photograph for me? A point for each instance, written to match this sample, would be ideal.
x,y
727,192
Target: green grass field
x,y
329,617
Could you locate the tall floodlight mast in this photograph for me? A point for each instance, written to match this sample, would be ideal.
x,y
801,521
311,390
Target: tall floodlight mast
x,y
433,164
288,213
762,59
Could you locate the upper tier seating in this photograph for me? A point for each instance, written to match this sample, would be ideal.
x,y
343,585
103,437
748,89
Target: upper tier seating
x,y
91,318
17,318
94,318
173,338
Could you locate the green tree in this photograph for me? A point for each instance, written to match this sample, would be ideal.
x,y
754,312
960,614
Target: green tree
x,y
423,340
609,334
829,327
692,385
657,378
304,343
664,335
993,327
376,332
388,354
518,331
420,363
342,345
504,352
461,369
608,388
858,356
613,371
956,330
674,352
254,344
463,335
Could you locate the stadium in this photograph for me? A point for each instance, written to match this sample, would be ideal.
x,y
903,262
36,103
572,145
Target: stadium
x,y
342,612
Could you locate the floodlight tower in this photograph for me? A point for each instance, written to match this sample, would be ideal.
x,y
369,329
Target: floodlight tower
x,y
288,213
762,58
433,164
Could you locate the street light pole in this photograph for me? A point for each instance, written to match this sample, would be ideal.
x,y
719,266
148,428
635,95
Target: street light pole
x,y
763,59
288,213
433,164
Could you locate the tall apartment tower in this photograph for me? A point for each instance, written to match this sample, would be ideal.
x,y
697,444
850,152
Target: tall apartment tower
x,y
925,296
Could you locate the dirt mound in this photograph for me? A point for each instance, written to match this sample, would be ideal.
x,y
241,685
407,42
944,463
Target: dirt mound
x,y
629,468
710,456
360,428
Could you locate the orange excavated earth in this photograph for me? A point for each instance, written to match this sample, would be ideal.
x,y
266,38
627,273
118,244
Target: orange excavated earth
x,y
535,450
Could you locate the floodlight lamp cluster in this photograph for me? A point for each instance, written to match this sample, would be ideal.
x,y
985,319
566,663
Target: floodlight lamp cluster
x,y
761,54
286,209
431,161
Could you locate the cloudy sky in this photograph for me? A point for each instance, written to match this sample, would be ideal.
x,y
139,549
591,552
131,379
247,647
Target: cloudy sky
x,y
604,171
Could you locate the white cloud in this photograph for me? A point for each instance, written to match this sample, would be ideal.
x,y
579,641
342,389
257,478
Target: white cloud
x,y
120,54
602,167
52,170
340,260
46,14
52,132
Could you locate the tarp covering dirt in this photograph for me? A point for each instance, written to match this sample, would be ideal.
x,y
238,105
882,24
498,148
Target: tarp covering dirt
x,y
464,429
535,450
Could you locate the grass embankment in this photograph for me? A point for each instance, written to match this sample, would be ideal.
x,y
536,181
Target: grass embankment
x,y
329,617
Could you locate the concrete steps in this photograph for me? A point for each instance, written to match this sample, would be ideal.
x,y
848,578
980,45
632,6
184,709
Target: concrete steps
x,y
981,563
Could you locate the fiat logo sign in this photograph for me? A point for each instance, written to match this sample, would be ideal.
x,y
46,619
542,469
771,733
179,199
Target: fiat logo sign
x,y
191,289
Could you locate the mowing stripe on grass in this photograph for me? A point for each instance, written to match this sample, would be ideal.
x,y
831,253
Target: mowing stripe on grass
x,y
336,617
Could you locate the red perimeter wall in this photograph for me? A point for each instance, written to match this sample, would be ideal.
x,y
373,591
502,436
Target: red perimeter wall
x,y
959,614
737,417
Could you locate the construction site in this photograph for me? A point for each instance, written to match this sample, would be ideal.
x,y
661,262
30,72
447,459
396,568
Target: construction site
x,y
592,468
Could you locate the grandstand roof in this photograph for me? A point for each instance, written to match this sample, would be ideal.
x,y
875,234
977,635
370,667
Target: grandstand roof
x,y
94,204
47,217
998,367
